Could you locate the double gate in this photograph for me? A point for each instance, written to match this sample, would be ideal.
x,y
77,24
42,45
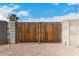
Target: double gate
x,y
39,31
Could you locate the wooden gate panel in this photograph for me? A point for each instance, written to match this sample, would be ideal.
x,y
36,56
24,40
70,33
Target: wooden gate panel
x,y
21,31
49,31
56,29
43,31
26,32
37,32
32,32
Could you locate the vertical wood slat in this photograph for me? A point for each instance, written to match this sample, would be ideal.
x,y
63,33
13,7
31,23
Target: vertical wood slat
x,y
28,32
46,32
42,32
26,37
32,31
21,31
50,32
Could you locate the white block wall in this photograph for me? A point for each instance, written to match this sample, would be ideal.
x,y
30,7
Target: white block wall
x,y
65,32
12,31
70,32
74,32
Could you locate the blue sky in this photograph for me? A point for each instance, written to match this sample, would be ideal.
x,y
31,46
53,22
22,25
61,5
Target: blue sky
x,y
33,11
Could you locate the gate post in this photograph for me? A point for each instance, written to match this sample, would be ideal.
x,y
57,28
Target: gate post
x,y
12,31
66,32
39,33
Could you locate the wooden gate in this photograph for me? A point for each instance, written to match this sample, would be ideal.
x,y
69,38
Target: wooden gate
x,y
50,32
39,31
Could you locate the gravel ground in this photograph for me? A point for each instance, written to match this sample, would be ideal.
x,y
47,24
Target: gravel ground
x,y
35,49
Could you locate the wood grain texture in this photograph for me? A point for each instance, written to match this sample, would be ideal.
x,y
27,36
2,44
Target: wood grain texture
x,y
43,31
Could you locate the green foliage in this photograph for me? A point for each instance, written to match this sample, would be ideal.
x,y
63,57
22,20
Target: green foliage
x,y
13,17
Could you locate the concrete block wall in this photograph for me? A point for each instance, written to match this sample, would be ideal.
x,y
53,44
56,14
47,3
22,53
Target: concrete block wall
x,y
74,32
12,31
65,32
3,32
70,32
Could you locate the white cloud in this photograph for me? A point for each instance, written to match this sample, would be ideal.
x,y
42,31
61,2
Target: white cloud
x,y
71,4
56,3
5,10
3,18
74,15
15,6
42,19
65,10
11,4
23,13
71,16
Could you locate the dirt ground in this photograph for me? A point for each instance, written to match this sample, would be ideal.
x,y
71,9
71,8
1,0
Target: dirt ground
x,y
35,49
